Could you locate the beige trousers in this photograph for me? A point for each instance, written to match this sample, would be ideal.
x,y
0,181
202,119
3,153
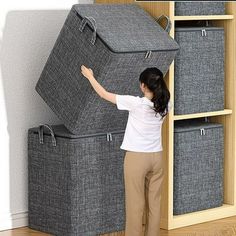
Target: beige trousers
x,y
143,176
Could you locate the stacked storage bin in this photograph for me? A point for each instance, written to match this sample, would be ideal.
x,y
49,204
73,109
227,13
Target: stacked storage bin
x,y
121,40
75,182
198,166
192,8
76,169
199,70
198,87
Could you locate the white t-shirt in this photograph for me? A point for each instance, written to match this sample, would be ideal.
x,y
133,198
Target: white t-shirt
x,y
143,128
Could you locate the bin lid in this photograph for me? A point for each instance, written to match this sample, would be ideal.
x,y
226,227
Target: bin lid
x,y
127,27
61,131
192,124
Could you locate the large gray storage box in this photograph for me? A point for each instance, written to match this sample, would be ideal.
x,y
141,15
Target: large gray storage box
x,y
199,70
198,166
199,8
75,183
118,41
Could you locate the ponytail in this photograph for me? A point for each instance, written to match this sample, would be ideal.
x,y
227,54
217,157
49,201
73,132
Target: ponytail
x,y
153,79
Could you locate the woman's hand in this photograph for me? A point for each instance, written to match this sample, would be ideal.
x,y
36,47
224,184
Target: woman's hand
x,y
87,72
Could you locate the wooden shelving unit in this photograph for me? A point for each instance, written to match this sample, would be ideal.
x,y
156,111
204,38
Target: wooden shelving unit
x,y
227,117
215,17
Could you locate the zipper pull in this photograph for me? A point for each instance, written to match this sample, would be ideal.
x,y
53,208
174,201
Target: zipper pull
x,y
203,32
110,137
203,132
148,54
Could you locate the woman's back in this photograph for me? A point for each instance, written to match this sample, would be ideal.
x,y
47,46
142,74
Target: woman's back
x,y
143,129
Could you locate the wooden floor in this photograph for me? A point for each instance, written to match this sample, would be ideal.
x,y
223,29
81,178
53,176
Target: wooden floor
x,y
223,227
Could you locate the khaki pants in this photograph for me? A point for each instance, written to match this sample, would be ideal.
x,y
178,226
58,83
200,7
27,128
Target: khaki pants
x,y
143,176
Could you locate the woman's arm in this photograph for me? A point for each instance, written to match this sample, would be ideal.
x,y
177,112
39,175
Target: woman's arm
x,y
88,73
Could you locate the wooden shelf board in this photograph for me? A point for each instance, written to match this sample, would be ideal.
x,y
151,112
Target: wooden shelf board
x,y
226,210
204,114
204,17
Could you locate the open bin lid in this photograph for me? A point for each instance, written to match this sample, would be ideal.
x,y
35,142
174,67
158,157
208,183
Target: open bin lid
x,y
127,27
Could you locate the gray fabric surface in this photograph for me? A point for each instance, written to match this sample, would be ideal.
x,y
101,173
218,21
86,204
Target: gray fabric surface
x,y
198,166
199,70
199,8
127,27
70,95
77,187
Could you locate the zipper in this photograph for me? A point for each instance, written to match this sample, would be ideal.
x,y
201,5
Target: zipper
x,y
108,135
196,29
198,128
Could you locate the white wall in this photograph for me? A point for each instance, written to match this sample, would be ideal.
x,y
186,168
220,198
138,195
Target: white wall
x,y
28,30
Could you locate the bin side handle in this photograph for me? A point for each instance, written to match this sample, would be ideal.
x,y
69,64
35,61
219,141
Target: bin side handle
x,y
40,131
92,22
168,24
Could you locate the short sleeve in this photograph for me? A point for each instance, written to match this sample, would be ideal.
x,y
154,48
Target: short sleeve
x,y
127,102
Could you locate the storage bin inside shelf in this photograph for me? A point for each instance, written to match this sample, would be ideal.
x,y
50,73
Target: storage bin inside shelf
x,y
198,165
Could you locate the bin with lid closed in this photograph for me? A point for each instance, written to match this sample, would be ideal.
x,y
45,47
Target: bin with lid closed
x,y
191,8
198,165
199,70
75,182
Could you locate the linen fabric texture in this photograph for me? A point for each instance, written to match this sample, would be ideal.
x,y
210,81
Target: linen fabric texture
x,y
144,127
76,187
199,70
192,8
198,166
124,34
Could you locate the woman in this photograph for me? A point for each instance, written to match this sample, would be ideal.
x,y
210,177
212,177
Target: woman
x,y
143,163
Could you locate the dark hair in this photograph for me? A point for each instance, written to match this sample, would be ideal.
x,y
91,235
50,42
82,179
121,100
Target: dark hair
x,y
153,78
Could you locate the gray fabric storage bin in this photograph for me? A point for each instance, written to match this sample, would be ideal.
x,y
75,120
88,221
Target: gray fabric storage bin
x,y
199,70
127,41
75,187
198,166
189,8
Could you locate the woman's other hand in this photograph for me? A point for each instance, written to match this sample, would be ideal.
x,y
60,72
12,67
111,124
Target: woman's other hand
x,y
87,72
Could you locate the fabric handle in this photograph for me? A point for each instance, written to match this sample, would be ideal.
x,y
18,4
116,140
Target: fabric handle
x,y
41,127
168,24
92,22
